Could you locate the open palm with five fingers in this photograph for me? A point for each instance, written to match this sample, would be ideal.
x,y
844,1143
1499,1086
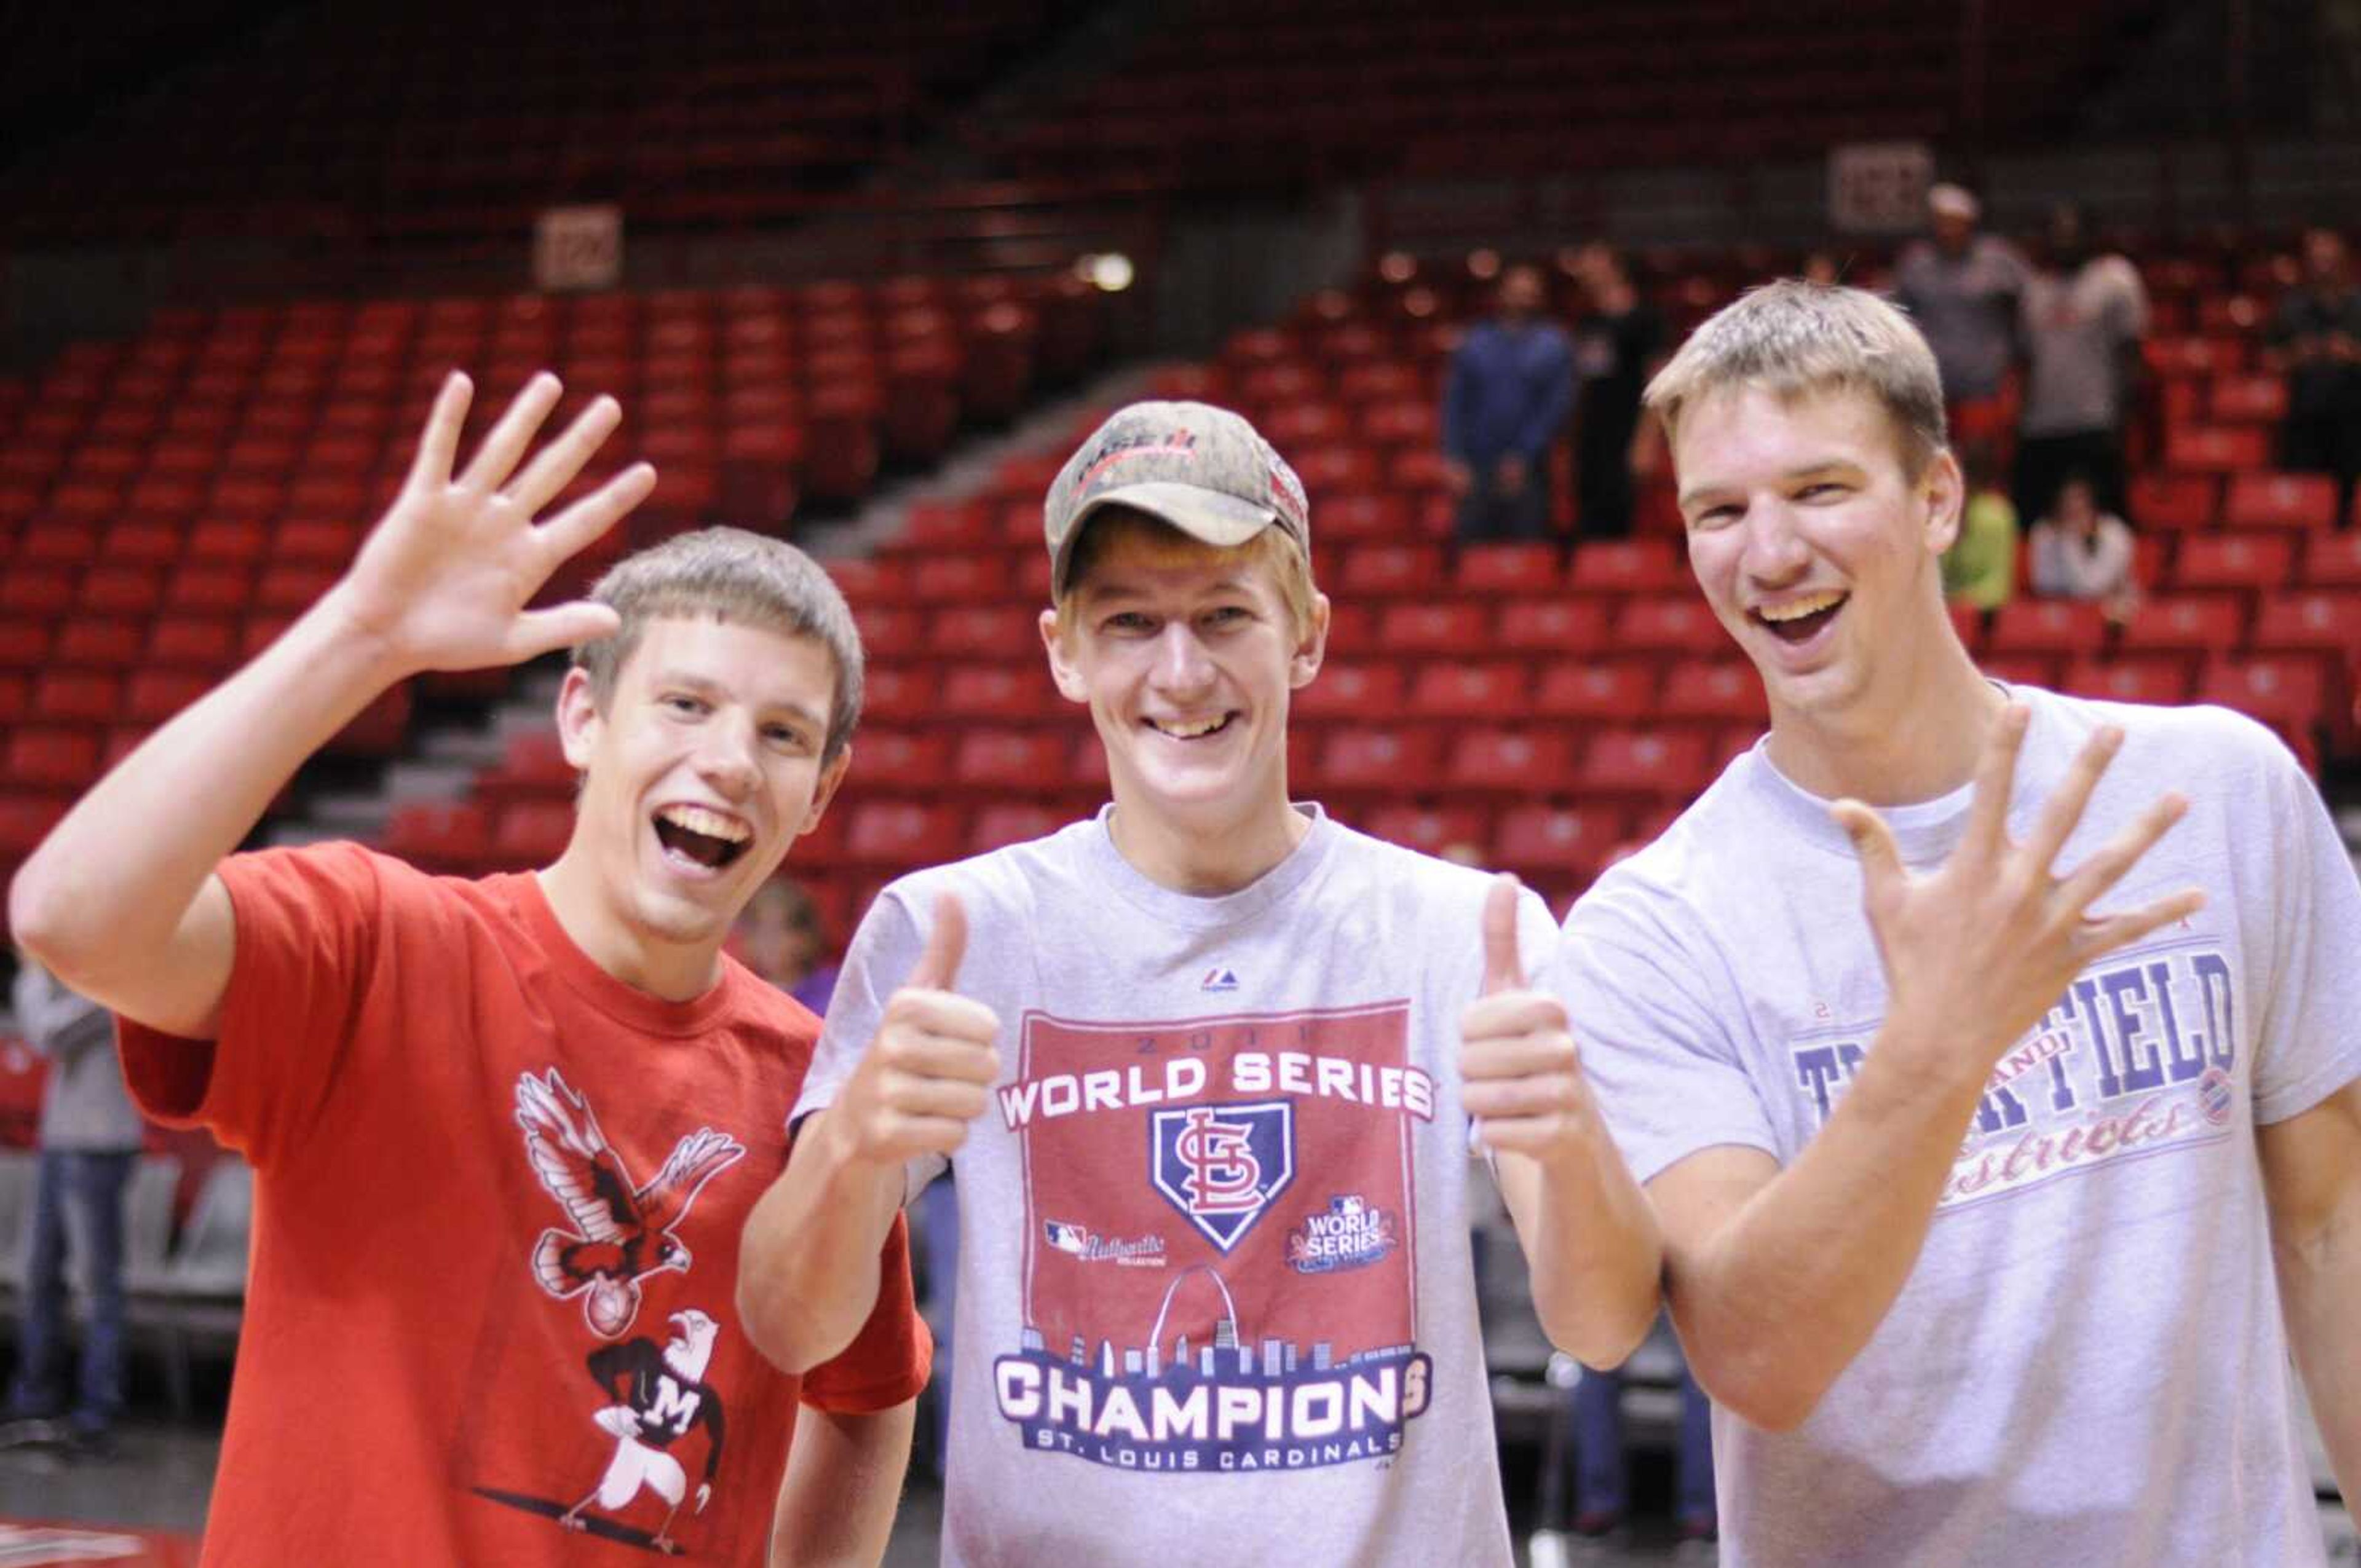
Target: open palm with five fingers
x,y
443,579
1978,950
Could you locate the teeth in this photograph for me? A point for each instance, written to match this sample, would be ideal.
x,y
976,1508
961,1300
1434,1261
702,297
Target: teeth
x,y
1795,609
1190,732
712,823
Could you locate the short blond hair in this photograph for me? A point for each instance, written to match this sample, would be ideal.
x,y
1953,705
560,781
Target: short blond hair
x,y
1792,338
740,578
1273,547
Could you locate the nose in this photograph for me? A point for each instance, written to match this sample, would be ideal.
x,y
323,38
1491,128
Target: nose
x,y
726,759
1180,661
1775,553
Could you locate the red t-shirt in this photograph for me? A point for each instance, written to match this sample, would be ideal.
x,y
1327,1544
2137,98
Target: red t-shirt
x,y
498,1198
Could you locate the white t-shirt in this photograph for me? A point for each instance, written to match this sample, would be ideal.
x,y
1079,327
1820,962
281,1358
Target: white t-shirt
x,y
2087,1364
1215,1296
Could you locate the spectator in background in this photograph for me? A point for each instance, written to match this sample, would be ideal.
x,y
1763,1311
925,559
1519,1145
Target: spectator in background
x,y
1962,289
1510,390
2316,343
1601,1484
781,936
1616,348
2081,551
89,1135
1979,568
2082,319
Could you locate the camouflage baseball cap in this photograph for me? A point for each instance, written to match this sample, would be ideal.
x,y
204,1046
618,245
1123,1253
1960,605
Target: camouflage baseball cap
x,y
1202,469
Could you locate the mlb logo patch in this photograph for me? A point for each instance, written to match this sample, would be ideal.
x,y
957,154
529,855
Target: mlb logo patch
x,y
1220,980
1221,1165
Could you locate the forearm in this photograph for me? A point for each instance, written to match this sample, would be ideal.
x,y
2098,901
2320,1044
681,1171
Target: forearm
x,y
808,1270
843,1479
1592,1248
2320,1281
106,890
1786,1293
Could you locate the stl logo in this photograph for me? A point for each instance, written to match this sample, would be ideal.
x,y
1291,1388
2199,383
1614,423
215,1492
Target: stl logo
x,y
1221,1165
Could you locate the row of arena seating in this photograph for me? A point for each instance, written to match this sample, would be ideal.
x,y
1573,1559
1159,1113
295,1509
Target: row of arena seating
x,y
169,504
1229,93
363,119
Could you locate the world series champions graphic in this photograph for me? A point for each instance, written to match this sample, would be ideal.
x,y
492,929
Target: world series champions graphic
x,y
1220,1270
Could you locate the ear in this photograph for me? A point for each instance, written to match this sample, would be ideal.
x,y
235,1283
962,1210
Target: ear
x,y
578,719
1311,648
1062,669
825,791
1945,491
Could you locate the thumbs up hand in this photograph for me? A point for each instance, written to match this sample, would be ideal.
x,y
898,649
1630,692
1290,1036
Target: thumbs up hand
x,y
1521,1076
928,1071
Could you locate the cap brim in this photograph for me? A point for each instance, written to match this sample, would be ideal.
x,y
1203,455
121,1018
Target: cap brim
x,y
1224,522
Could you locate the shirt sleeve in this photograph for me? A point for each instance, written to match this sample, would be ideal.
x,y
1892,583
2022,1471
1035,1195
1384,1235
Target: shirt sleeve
x,y
2306,1046
889,1361
1663,1066
308,933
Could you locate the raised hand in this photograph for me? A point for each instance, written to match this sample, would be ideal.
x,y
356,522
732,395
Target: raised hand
x,y
1978,950
929,1072
1520,1076
444,579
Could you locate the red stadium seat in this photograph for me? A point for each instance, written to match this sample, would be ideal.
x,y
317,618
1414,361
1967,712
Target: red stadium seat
x,y
1508,569
1652,762
898,693
990,692
2259,398
1522,761
902,761
89,696
2290,692
1349,688
441,835
1668,624
2331,559
2281,500
1379,571
1010,632
1554,626
52,756
1620,689
1444,627
2161,679
2175,500
1389,761
1628,566
2187,622
2047,626
96,644
1347,517
1005,822
903,834
1474,691
2235,560
1535,840
2327,620
963,576
530,832
1723,691
1019,759
2216,449
1457,830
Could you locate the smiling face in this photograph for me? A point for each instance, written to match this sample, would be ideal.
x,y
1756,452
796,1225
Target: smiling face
x,y
703,767
1185,655
1814,544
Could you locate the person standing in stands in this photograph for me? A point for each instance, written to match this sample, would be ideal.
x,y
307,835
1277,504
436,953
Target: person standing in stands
x,y
1511,390
1988,1053
781,937
1962,289
1208,1067
1615,351
505,1131
2315,341
89,1137
2082,318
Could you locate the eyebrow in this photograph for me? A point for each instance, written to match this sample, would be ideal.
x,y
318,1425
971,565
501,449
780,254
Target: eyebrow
x,y
1802,471
685,680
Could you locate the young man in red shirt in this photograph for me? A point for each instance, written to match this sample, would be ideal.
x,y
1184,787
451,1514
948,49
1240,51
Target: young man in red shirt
x,y
505,1131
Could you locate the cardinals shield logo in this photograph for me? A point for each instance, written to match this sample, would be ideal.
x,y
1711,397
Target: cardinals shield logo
x,y
621,1231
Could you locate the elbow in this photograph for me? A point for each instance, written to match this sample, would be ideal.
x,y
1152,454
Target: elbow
x,y
1761,1396
40,917
1604,1337
768,1314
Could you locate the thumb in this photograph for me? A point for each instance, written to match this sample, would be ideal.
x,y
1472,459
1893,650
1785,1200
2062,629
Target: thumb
x,y
1873,843
937,967
1502,970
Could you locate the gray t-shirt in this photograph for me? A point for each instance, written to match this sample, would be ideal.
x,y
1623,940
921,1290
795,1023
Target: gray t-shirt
x,y
1966,305
1215,1296
84,1106
2076,328
2087,1364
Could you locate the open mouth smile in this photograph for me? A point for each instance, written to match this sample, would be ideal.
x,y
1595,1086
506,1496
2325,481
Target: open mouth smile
x,y
707,839
1801,619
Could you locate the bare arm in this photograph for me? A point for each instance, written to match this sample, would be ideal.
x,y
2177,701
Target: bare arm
x,y
842,1482
808,1266
1777,1279
1589,1236
120,901
2312,1174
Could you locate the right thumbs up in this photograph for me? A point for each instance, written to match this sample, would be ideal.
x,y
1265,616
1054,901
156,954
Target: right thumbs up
x,y
1502,970
938,966
928,1071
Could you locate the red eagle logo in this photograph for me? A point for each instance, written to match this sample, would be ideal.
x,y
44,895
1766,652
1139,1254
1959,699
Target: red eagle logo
x,y
623,1232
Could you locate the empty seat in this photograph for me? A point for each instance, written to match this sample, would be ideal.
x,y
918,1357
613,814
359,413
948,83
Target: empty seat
x,y
1620,689
1021,760
1563,840
1637,761
1516,761
1564,626
2047,626
2238,559
1666,623
1508,569
901,760
2187,622
999,692
1457,830
2159,679
1446,627
1494,689
2280,500
1375,758
1349,688
1717,690
900,834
